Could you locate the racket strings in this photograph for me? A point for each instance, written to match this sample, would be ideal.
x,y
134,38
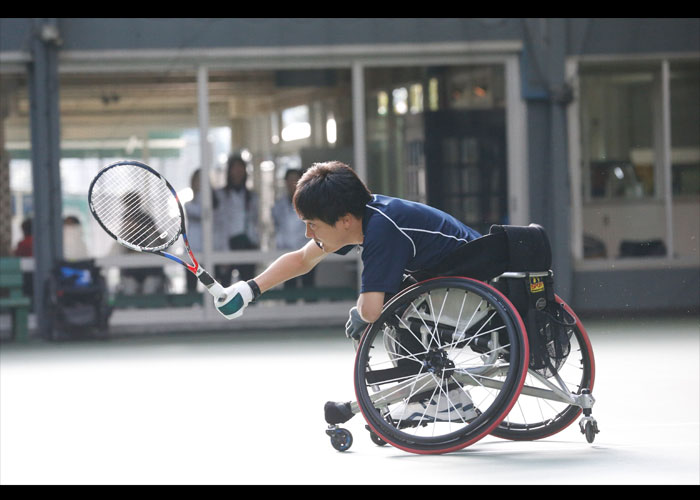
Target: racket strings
x,y
137,225
136,206
143,224
126,214
134,222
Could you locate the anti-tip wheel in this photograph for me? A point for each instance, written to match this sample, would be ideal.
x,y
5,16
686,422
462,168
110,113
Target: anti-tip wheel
x,y
373,436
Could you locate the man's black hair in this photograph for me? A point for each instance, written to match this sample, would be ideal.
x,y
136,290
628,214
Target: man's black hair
x,y
328,191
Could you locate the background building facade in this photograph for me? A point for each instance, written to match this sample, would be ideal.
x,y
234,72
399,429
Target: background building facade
x,y
589,127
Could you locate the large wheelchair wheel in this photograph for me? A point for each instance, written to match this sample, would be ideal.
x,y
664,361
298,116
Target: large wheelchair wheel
x,y
540,411
442,366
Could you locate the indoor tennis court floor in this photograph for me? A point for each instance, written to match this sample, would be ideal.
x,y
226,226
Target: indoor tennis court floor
x,y
247,408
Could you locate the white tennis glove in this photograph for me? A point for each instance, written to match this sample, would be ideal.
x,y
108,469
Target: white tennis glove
x,y
235,299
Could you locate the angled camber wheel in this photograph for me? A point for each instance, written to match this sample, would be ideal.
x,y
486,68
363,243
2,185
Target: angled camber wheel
x,y
541,412
442,366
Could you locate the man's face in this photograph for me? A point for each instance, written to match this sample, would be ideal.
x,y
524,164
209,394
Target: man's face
x,y
329,237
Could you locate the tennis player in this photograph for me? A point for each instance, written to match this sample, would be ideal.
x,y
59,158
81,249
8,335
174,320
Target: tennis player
x,y
399,239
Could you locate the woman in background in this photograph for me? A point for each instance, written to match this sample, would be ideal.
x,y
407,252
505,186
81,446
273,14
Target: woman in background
x,y
235,220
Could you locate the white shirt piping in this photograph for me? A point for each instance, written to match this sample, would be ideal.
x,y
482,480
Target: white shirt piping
x,y
403,230
436,232
397,227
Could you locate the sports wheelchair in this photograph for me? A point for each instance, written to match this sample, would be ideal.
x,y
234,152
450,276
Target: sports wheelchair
x,y
464,352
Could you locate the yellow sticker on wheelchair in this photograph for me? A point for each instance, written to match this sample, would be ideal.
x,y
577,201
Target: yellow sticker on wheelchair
x,y
536,285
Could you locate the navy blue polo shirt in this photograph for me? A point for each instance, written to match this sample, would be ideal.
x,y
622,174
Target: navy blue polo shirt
x,y
403,236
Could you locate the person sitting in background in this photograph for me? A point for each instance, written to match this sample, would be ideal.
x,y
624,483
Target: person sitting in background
x,y
25,248
73,244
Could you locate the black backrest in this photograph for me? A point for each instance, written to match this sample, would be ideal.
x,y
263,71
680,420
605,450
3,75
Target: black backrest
x,y
528,247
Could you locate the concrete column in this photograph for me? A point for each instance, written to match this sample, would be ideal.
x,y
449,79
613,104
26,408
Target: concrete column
x,y
46,152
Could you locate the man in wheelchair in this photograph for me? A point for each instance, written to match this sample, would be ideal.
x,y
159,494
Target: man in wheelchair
x,y
401,242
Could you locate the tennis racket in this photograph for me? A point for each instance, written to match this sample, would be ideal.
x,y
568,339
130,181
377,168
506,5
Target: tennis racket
x,y
139,208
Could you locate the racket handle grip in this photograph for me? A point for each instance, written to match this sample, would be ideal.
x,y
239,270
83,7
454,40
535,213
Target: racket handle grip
x,y
213,286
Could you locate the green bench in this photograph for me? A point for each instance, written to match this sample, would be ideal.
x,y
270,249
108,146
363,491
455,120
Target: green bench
x,y
12,299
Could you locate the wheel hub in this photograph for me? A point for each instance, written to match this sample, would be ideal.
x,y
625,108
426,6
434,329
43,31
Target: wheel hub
x,y
437,361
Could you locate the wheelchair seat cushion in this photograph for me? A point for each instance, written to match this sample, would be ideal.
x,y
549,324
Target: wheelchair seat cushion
x,y
528,247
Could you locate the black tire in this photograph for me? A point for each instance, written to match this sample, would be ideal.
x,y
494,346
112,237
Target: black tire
x,y
535,418
590,432
452,343
341,439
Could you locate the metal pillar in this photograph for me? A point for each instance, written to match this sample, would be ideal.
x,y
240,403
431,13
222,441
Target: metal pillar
x,y
205,162
45,138
560,187
548,100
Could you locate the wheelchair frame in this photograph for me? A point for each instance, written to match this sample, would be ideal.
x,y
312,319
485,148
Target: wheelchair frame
x,y
559,393
554,389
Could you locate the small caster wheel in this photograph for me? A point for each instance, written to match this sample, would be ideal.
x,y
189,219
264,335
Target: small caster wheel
x,y
341,439
591,430
589,427
375,439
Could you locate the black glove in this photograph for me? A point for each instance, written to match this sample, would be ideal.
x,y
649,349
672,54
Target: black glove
x,y
355,325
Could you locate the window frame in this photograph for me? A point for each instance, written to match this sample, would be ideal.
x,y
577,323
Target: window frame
x,y
663,177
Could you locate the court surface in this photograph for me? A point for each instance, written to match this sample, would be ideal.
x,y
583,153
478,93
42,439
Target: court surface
x,y
248,409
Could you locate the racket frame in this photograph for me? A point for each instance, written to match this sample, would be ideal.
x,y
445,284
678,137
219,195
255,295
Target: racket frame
x,y
211,284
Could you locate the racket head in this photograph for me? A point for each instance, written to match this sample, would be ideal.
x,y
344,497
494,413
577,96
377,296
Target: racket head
x,y
136,206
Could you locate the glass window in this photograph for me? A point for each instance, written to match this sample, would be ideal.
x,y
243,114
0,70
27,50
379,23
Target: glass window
x,y
109,117
625,209
295,123
274,120
437,135
617,115
285,120
400,99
